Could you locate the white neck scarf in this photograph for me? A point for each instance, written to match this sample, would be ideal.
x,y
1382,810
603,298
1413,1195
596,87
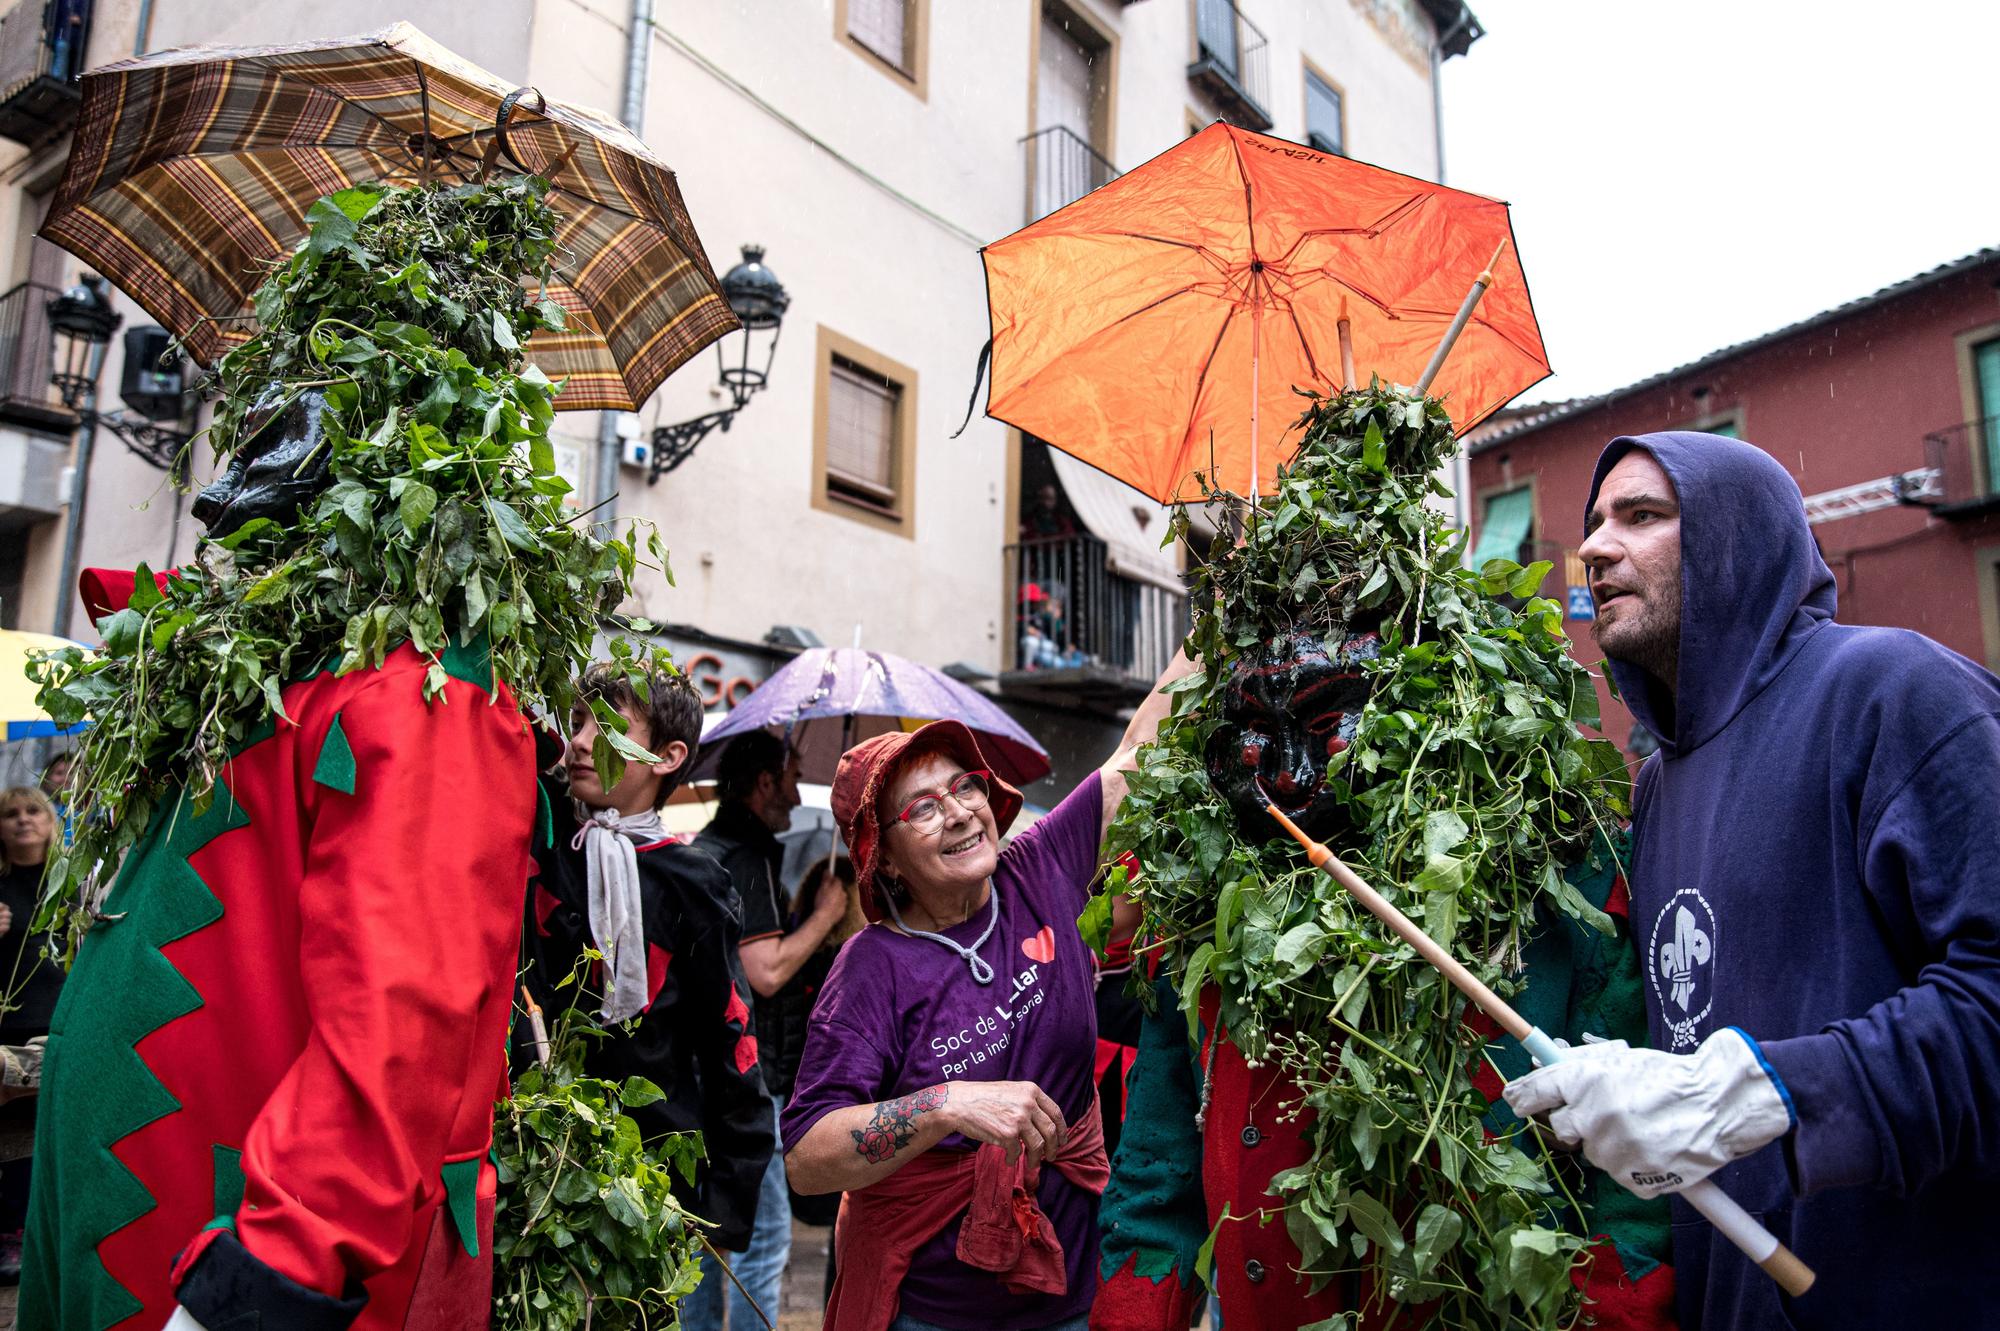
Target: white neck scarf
x,y
617,923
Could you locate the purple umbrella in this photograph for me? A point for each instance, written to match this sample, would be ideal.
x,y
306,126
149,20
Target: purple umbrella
x,y
831,698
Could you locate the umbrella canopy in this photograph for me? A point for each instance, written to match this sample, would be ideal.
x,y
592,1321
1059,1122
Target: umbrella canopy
x,y
830,698
1159,317
192,171
24,719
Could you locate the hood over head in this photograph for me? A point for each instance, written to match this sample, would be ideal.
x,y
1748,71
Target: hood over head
x,y
1753,585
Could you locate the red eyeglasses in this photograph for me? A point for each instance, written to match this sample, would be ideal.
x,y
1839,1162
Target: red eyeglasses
x,y
968,790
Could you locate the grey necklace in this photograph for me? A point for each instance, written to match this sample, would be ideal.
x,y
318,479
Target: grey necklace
x,y
981,972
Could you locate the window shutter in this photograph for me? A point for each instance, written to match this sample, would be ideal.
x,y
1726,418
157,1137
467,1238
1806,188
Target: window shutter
x,y
861,432
1505,526
1323,116
882,27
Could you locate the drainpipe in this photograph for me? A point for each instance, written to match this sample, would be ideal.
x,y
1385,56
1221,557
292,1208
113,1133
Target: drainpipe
x,y
142,35
66,593
638,55
1461,468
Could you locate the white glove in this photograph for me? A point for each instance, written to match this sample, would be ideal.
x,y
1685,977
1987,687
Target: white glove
x,y
183,1320
1659,1122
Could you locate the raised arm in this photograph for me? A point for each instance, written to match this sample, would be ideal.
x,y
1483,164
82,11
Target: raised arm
x,y
1145,724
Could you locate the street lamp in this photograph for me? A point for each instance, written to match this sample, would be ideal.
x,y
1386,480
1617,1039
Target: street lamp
x,y
82,322
759,301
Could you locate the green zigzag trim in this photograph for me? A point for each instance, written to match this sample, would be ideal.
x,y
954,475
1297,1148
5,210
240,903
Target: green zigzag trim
x,y
121,990
334,768
461,1192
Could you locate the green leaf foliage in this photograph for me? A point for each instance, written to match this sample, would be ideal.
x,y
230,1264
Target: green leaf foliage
x,y
586,1230
1467,789
443,523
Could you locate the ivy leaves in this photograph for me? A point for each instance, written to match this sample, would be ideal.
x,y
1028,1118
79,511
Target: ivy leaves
x,y
586,1228
1468,790
443,524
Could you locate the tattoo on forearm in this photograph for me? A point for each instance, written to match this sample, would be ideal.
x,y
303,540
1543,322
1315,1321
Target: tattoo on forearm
x,y
893,1125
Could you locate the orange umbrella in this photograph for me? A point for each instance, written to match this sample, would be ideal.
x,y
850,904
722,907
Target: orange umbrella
x,y
1172,311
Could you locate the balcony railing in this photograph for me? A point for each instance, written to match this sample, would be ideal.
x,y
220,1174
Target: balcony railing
x,y
42,45
1232,63
1062,168
1967,460
26,346
1081,627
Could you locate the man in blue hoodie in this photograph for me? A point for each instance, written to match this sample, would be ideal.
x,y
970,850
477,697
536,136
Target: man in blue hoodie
x,y
1816,890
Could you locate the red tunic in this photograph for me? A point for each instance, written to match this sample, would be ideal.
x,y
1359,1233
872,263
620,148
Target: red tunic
x,y
292,1026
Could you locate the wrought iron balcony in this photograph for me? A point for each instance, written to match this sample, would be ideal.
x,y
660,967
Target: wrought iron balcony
x,y
42,45
1966,459
1232,64
1062,168
1082,631
26,395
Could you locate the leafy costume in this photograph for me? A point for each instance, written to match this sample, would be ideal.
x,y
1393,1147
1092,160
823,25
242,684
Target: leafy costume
x,y
1315,1123
268,1094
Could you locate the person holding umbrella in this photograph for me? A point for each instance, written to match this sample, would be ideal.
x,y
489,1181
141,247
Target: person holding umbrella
x,y
947,1083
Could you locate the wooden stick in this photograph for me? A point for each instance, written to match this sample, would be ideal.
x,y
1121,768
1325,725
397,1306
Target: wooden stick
x,y
1346,353
538,1030
1735,1224
1458,322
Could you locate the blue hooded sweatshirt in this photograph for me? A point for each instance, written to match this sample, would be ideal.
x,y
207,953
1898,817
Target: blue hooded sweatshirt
x,y
1817,862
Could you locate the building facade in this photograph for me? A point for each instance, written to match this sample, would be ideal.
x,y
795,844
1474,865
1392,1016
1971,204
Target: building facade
x,y
1886,411
869,147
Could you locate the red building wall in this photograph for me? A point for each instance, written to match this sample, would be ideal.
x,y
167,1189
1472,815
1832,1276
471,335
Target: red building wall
x,y
1844,402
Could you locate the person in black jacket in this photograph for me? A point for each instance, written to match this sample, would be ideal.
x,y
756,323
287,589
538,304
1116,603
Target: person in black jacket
x,y
30,982
758,785
667,927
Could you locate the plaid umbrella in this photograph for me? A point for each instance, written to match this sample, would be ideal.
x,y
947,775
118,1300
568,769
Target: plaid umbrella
x,y
192,170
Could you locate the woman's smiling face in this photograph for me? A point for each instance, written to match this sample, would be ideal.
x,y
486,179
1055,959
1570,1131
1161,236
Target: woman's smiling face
x,y
959,854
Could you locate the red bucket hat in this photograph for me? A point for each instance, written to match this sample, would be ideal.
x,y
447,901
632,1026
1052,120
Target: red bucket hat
x,y
867,768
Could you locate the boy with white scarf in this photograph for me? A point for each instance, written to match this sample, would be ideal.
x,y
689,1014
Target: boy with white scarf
x,y
665,919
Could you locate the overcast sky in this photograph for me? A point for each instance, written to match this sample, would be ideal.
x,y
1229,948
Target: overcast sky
x,y
1689,173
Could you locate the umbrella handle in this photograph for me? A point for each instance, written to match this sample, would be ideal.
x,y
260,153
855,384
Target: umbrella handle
x,y
506,113
1346,352
1464,315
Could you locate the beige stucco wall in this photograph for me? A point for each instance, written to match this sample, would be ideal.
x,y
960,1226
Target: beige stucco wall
x,y
900,275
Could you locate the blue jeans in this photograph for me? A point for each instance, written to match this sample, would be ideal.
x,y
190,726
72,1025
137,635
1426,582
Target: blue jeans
x,y
760,1267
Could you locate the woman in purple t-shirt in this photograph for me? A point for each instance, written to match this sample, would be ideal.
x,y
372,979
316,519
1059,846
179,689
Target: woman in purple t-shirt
x,y
962,1016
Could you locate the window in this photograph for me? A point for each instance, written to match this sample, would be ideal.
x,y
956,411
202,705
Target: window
x,y
861,434
1326,125
864,435
1506,524
1069,153
1986,383
1728,427
893,33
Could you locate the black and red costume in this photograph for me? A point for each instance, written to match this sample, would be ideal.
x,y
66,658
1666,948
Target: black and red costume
x,y
695,1040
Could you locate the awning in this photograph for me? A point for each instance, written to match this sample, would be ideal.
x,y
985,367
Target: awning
x,y
1504,525
1130,524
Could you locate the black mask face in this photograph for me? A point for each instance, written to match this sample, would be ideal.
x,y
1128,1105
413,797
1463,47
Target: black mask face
x,y
1289,706
280,465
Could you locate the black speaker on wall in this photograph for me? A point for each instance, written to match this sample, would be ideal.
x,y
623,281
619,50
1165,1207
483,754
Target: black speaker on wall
x,y
155,376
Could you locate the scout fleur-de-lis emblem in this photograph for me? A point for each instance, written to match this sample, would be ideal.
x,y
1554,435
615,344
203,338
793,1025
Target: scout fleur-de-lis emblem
x,y
1679,957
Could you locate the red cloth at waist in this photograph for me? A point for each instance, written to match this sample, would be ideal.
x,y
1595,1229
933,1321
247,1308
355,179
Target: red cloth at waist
x,y
882,1226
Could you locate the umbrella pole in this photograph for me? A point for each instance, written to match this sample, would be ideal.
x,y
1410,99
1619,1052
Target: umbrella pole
x,y
1479,285
846,742
1346,352
1256,350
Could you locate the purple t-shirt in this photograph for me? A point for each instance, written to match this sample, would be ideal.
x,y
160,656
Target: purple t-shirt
x,y
898,1014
